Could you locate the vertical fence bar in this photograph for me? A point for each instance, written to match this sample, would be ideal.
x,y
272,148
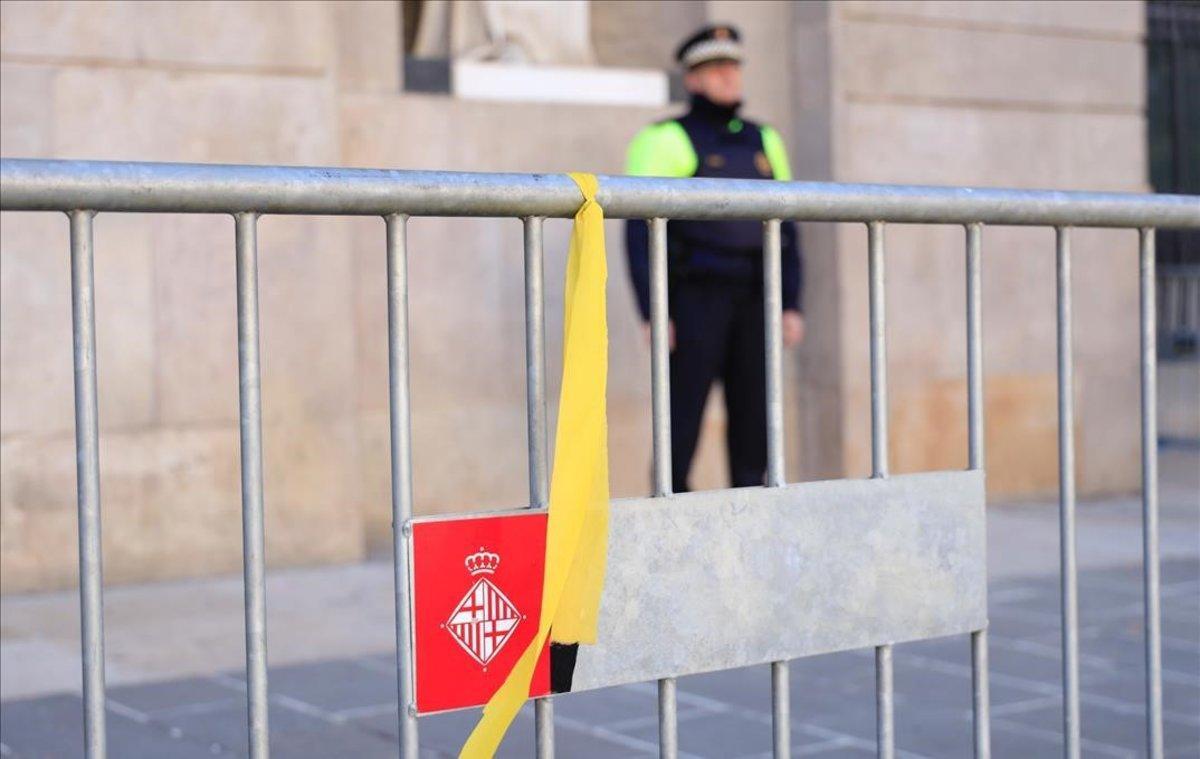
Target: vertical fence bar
x,y
401,444
980,696
781,710
979,642
1153,622
535,363
668,726
660,366
535,408
1066,497
884,701
254,565
773,330
87,473
773,352
975,445
878,327
660,391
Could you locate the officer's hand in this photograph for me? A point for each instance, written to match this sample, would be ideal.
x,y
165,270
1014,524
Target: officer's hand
x,y
670,333
793,328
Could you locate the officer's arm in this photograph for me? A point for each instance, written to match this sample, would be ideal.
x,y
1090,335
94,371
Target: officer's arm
x,y
792,267
792,263
659,150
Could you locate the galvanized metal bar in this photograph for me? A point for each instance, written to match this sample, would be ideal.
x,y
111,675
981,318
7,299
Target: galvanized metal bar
x,y
253,551
884,701
773,352
87,474
660,393
980,696
780,711
660,361
884,718
535,364
1066,497
878,338
1150,566
45,185
885,730
402,493
773,330
975,444
543,725
535,412
668,721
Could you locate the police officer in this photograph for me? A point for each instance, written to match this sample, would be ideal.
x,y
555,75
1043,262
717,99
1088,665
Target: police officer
x,y
715,268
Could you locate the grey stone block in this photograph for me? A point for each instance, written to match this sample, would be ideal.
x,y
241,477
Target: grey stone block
x,y
334,685
606,706
1110,727
717,735
168,696
927,688
293,734
53,727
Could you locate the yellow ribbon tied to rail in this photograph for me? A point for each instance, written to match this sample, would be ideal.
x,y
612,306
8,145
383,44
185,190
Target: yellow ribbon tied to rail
x,y
577,529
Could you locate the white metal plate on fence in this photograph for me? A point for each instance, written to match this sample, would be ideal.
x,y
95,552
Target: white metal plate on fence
x,y
714,580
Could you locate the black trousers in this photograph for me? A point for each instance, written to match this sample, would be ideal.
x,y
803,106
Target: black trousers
x,y
719,337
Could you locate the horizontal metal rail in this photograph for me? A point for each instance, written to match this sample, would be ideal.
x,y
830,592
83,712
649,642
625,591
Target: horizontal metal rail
x,y
45,185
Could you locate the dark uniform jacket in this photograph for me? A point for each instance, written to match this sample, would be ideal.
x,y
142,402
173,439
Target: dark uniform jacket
x,y
711,141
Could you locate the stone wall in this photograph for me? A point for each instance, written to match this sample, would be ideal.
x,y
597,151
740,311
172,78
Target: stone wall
x,y
302,83
862,92
1015,94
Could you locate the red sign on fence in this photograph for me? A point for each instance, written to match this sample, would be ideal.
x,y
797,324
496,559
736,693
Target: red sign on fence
x,y
477,597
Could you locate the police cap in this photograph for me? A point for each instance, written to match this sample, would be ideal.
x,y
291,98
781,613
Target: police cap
x,y
720,42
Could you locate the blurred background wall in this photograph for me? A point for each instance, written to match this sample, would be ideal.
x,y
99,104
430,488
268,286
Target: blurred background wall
x,y
1016,94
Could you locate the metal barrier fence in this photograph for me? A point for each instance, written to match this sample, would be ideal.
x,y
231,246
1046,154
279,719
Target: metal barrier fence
x,y
81,189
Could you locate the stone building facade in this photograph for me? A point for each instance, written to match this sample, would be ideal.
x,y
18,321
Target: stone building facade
x,y
1017,94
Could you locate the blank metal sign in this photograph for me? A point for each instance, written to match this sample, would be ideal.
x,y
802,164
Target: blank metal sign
x,y
706,581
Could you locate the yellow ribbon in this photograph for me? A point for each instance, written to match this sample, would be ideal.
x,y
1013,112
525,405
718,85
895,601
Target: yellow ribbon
x,y
577,529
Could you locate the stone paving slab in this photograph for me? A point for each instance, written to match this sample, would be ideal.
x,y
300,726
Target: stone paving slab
x,y
53,727
347,706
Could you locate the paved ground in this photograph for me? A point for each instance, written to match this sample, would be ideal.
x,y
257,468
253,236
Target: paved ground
x,y
347,707
333,691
